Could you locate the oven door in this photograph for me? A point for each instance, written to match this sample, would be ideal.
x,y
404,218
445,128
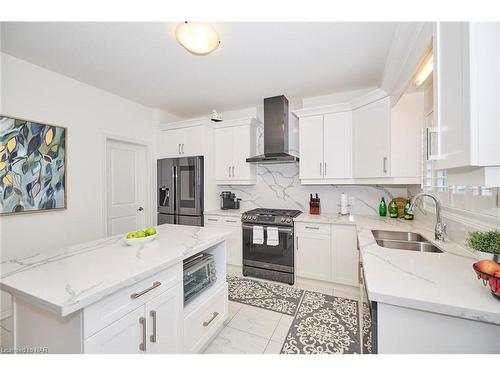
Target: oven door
x,y
278,258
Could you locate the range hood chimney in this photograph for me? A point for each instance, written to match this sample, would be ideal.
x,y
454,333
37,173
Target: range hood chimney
x,y
281,133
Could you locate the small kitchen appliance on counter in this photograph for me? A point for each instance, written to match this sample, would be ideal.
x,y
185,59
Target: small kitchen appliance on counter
x,y
228,201
268,244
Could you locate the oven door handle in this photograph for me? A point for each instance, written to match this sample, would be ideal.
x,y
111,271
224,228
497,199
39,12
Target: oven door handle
x,y
280,229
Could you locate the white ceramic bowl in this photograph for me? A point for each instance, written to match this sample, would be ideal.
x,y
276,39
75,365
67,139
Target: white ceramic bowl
x,y
138,241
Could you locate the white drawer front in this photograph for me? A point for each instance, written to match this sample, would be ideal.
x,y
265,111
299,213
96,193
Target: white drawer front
x,y
201,323
213,220
313,228
232,221
113,307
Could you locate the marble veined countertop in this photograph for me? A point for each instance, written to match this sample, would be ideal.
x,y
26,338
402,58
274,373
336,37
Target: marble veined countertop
x,y
443,283
69,279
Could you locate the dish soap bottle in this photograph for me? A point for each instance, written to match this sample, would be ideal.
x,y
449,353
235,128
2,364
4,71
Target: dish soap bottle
x,y
393,209
407,215
382,208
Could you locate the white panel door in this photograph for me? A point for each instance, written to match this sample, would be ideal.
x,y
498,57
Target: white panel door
x,y
124,336
126,176
371,136
337,145
241,151
313,256
171,142
193,142
345,254
223,153
165,319
311,147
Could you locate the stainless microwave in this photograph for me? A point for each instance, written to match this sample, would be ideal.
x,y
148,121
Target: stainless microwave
x,y
199,274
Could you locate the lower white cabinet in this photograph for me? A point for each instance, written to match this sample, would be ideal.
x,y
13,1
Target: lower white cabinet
x,y
155,327
327,252
234,248
313,254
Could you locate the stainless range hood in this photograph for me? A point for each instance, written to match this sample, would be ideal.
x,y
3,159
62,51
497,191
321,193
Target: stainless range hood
x,y
281,133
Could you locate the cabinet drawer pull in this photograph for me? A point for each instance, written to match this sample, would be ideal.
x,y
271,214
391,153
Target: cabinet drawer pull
x,y
212,219
152,338
156,284
317,228
231,221
211,319
142,345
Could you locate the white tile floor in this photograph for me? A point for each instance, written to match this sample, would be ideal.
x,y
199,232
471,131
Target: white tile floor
x,y
251,330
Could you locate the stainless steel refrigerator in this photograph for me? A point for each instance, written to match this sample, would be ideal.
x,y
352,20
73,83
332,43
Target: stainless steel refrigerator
x,y
180,191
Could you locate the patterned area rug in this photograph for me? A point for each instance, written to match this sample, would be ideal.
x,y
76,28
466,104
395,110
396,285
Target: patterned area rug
x,y
275,297
322,324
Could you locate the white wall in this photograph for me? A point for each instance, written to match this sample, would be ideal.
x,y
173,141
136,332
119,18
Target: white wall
x,y
34,93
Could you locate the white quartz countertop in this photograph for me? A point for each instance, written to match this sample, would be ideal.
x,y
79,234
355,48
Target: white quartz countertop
x,y
443,283
229,212
69,279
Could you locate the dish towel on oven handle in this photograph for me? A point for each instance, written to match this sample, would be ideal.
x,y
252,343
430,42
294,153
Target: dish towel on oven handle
x,y
272,236
258,235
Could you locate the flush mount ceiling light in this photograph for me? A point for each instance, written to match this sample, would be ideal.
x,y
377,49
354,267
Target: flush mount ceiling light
x,y
425,71
197,38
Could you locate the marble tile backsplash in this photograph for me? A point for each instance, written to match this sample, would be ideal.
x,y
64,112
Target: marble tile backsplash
x,y
278,186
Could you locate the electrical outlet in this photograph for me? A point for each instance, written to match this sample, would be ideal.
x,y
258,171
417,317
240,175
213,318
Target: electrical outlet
x,y
352,200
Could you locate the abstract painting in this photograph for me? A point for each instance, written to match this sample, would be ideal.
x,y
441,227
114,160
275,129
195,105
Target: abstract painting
x,y
32,166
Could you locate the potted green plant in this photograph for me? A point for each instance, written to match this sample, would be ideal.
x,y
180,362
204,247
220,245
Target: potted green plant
x,y
486,244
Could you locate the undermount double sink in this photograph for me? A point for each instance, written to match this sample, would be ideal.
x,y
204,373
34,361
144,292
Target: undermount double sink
x,y
404,241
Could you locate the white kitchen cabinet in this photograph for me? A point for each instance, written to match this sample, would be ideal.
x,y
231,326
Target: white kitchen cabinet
x,y
164,316
466,94
371,139
185,138
124,336
235,141
345,255
313,254
154,327
325,146
311,147
234,248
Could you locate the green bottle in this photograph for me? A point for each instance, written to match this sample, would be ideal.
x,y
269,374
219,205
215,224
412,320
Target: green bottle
x,y
382,208
393,209
407,215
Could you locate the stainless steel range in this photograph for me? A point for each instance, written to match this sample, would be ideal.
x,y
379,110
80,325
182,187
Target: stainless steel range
x,y
268,244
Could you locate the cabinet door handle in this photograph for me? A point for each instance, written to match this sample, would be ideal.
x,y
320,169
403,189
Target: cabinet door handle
x,y
142,345
385,164
229,173
211,319
156,284
297,238
233,170
152,338
182,148
321,169
317,228
179,148
325,169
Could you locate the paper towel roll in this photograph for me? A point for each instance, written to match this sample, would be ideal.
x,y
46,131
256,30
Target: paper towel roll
x,y
344,209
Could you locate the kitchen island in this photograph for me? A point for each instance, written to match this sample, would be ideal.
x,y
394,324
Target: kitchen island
x,y
107,297
421,302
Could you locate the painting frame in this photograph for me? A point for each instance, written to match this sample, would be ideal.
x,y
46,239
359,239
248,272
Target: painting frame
x,y
64,174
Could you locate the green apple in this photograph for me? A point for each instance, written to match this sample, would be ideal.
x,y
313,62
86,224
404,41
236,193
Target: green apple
x,y
140,234
150,231
132,235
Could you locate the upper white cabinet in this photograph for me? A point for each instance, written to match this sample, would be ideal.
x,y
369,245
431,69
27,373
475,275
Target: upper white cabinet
x,y
235,141
325,144
466,94
371,137
183,138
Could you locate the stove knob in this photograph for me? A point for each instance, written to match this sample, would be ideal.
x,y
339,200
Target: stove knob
x,y
288,219
282,219
254,217
244,217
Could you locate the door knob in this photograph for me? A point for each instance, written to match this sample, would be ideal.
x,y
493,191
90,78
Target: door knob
x,y
140,209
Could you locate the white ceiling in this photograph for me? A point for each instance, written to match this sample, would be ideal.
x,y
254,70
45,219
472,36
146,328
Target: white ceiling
x,y
143,62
